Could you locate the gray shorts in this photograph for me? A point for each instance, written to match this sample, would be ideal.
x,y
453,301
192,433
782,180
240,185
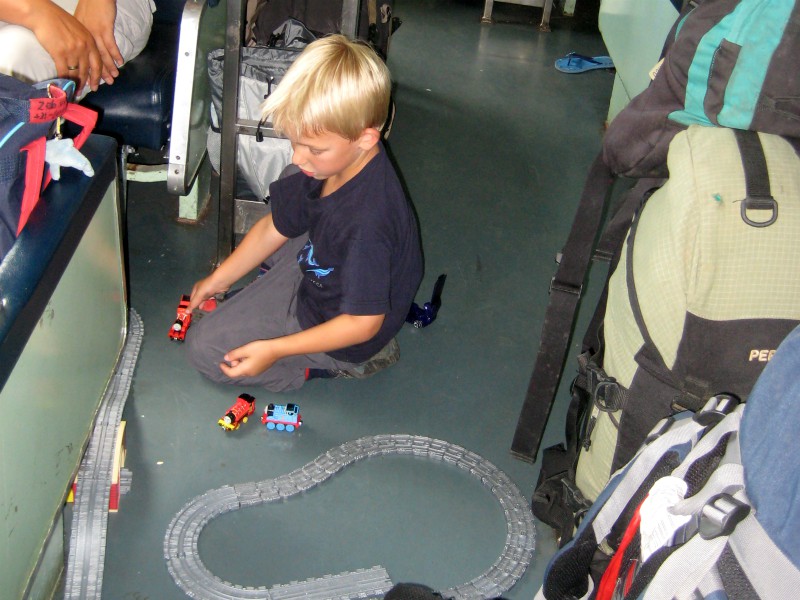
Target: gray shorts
x,y
265,309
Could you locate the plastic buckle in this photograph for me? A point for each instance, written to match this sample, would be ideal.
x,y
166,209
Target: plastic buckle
x,y
594,374
574,499
720,516
567,288
606,395
716,409
759,203
603,389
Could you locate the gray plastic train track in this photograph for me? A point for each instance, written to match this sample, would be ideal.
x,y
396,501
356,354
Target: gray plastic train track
x,y
87,548
188,571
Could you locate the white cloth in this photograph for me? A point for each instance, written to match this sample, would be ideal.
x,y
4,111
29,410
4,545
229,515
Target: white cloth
x,y
24,57
63,153
658,524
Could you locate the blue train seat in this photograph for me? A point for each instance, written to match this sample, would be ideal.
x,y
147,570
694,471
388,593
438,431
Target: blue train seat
x,y
63,322
137,108
157,109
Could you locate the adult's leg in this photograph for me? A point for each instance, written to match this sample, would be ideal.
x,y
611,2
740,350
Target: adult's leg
x,y
132,25
24,57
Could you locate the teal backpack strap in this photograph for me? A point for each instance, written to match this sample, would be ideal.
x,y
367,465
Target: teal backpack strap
x,y
749,35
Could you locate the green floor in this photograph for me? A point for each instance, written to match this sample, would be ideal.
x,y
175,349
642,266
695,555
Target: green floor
x,y
493,144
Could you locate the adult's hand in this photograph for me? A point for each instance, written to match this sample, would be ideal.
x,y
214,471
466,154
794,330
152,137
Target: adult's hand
x,y
98,17
71,45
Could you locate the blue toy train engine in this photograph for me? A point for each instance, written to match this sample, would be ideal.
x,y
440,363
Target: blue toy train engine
x,y
282,417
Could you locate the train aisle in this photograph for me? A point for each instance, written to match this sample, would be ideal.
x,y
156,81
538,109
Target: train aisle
x,y
493,143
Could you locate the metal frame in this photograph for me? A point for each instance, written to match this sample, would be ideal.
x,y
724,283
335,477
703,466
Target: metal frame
x,y
202,28
546,5
232,126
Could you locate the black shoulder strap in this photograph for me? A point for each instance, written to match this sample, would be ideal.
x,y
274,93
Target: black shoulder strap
x,y
649,351
758,195
565,293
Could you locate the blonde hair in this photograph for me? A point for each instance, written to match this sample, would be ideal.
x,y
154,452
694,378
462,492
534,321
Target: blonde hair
x,y
336,85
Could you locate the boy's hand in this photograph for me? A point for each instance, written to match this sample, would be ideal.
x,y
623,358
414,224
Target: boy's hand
x,y
203,290
249,360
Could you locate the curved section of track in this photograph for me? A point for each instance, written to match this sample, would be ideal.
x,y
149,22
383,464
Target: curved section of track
x,y
188,571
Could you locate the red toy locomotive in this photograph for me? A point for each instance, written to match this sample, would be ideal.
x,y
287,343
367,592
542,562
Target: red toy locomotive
x,y
178,330
237,414
183,319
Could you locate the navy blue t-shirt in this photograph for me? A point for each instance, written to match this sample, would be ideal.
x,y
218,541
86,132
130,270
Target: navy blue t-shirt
x,y
363,256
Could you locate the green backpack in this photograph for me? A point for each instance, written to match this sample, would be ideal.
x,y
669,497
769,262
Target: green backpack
x,y
707,286
727,63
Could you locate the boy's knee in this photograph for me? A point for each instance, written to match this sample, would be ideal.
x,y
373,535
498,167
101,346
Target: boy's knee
x,y
201,353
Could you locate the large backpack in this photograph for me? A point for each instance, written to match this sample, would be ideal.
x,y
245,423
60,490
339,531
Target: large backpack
x,y
260,159
706,509
28,116
707,286
635,145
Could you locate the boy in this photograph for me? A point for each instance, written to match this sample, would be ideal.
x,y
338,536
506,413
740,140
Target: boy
x,y
341,243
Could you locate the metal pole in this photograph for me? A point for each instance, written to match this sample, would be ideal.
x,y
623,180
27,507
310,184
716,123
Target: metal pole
x,y
230,102
351,10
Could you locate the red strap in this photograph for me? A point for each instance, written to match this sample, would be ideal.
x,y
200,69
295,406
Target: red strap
x,y
45,110
85,117
34,168
605,591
